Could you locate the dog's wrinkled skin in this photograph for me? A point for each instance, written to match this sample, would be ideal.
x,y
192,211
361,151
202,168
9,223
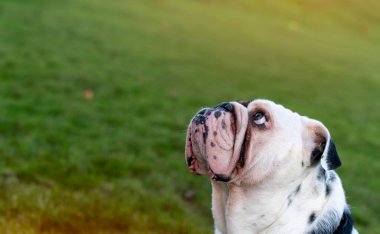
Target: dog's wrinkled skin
x,y
271,170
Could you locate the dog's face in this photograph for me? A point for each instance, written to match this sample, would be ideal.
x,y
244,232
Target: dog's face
x,y
248,142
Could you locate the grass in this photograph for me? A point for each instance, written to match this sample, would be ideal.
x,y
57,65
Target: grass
x,y
95,98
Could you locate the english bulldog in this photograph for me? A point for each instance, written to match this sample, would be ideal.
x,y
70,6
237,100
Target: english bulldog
x,y
271,170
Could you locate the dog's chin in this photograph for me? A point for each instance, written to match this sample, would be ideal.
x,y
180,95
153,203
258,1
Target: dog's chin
x,y
215,141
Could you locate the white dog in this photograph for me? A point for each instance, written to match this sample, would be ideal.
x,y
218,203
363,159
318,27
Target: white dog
x,y
271,170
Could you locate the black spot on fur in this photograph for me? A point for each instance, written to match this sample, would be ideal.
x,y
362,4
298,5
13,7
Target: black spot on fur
x,y
312,217
328,190
208,113
212,144
302,164
321,174
214,157
223,123
298,189
332,177
202,119
290,199
217,114
227,106
291,196
215,133
199,119
205,134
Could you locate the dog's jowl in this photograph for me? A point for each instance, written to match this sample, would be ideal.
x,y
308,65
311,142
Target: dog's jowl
x,y
271,170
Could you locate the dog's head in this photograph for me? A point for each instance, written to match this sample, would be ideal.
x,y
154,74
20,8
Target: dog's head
x,y
249,141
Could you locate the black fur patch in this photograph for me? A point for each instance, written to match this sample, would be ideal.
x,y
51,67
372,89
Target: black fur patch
x,y
227,106
332,177
331,224
346,223
328,190
290,199
332,158
205,134
199,119
223,124
298,189
217,114
293,194
312,217
321,174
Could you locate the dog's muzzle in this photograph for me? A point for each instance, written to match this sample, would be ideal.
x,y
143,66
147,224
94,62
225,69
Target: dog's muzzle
x,y
214,140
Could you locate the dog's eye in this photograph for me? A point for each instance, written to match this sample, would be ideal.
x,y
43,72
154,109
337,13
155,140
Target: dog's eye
x,y
259,118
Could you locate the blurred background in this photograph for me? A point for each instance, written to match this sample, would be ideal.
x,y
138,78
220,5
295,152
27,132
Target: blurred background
x,y
95,98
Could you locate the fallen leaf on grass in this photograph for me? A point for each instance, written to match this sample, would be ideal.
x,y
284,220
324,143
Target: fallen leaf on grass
x,y
88,94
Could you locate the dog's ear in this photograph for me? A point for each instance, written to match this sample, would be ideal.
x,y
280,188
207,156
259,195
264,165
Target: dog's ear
x,y
323,149
330,159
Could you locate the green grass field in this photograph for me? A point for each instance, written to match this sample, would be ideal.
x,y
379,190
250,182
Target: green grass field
x,y
95,98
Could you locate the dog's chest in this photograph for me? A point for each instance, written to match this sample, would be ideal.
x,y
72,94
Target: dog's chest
x,y
265,212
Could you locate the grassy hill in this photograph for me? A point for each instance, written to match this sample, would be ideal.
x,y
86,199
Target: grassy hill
x,y
95,97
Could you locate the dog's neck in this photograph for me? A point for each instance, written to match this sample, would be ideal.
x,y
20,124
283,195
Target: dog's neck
x,y
260,207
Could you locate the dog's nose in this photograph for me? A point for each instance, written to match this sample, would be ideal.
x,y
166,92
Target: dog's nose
x,y
226,106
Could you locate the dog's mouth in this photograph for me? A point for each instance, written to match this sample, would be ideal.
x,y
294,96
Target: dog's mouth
x,y
215,141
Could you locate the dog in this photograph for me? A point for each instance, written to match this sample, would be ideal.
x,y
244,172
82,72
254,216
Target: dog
x,y
271,170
